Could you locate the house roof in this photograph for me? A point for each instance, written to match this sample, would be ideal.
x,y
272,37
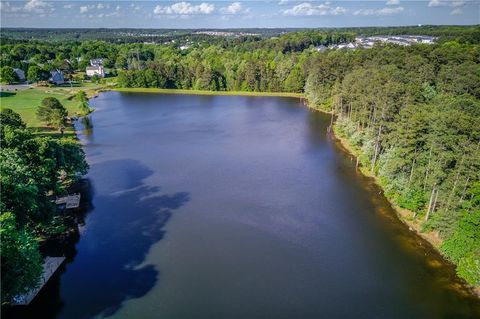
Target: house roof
x,y
94,68
57,75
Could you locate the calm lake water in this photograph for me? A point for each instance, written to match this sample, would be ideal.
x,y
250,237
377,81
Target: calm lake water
x,y
237,207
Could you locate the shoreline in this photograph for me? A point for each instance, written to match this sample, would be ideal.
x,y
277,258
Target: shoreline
x,y
206,92
403,215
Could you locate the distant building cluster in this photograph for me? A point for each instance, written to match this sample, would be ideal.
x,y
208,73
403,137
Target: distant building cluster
x,y
369,42
133,34
227,34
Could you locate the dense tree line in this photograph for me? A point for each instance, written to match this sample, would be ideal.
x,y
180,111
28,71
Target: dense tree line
x,y
464,34
34,170
413,115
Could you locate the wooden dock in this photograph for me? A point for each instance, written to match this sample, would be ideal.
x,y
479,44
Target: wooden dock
x,y
70,201
50,265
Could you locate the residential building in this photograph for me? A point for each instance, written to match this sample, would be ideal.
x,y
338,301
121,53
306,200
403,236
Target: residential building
x,y
20,74
56,77
95,70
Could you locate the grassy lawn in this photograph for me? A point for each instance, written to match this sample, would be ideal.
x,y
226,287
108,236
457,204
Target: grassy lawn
x,y
25,102
200,92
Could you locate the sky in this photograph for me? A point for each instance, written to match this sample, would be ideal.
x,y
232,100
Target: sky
x,y
235,14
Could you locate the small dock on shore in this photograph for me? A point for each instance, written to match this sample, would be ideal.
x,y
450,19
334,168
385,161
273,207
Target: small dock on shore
x,y
50,266
67,202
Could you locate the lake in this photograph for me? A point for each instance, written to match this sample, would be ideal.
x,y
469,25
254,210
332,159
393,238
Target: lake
x,y
237,207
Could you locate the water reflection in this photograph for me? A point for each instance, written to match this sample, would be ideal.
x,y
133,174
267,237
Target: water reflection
x,y
108,269
87,124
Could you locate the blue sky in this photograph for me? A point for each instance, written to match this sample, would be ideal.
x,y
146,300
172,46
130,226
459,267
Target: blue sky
x,y
235,14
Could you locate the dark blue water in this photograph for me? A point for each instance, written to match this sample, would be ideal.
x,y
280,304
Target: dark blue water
x,y
238,207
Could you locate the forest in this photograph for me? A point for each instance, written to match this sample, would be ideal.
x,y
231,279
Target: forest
x,y
410,113
34,170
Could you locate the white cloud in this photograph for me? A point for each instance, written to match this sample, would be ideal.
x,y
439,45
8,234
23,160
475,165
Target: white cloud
x,y
379,12
456,11
393,2
103,6
83,9
113,14
282,2
68,6
308,9
7,7
434,3
185,8
234,8
458,3
338,11
38,6
118,8
446,3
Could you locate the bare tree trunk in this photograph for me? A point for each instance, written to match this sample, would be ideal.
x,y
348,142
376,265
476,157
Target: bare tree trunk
x,y
468,179
435,202
411,173
428,167
330,127
430,203
377,148
454,184
464,190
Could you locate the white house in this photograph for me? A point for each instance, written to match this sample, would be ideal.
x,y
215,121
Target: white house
x,y
321,48
56,77
95,70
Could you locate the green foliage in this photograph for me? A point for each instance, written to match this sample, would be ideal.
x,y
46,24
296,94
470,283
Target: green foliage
x,y
21,260
8,75
52,112
429,92
412,114
466,238
9,118
19,192
295,81
469,268
413,200
34,74
32,169
81,96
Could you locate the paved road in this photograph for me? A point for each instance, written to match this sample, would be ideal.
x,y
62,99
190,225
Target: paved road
x,y
15,87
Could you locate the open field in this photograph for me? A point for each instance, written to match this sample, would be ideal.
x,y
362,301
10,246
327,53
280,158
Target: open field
x,y
25,102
